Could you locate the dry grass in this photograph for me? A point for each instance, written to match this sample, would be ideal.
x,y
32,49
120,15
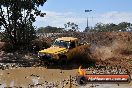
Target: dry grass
x,y
6,46
39,44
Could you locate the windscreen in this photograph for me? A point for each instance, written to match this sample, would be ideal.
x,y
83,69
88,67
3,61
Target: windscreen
x,y
61,43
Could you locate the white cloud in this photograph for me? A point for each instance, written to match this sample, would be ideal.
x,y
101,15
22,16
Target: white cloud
x,y
115,17
58,19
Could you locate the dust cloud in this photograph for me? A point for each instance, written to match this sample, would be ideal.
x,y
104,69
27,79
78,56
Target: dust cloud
x,y
99,52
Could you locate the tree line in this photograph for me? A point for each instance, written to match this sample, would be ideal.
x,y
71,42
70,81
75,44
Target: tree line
x,y
99,27
68,27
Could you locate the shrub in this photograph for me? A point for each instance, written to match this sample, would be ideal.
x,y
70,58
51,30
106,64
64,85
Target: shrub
x,y
39,44
2,44
7,47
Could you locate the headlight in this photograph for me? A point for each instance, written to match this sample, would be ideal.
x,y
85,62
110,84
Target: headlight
x,y
41,54
45,55
49,55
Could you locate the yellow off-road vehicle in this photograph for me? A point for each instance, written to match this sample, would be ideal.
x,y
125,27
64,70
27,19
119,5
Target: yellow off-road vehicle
x,y
58,50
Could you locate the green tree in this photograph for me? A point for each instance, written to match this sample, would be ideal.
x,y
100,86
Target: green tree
x,y
123,25
49,29
17,17
100,27
71,26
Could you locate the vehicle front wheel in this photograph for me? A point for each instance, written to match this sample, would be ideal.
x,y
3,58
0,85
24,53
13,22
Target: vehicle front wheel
x,y
63,60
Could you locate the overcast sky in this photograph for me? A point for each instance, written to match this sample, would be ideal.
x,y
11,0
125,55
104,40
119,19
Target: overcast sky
x,y
59,12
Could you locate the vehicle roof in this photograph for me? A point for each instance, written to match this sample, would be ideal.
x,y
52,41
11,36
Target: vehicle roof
x,y
67,39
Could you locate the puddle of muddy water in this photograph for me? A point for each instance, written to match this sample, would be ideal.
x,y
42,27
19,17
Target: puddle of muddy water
x,y
39,77
22,76
12,84
35,81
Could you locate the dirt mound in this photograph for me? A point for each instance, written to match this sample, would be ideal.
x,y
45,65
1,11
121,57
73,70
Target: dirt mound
x,y
113,49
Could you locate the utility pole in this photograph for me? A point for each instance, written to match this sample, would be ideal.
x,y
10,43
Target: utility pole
x,y
87,11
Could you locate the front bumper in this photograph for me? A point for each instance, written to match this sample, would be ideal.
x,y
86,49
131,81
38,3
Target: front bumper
x,y
47,56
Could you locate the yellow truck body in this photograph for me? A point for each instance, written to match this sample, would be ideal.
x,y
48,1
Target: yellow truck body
x,y
59,48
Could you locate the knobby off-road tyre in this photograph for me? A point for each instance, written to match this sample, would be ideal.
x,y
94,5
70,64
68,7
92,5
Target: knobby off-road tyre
x,y
44,61
63,60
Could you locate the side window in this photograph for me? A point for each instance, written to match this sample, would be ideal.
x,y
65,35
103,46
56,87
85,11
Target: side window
x,y
72,44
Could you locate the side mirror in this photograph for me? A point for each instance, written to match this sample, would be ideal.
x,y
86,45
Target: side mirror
x,y
69,47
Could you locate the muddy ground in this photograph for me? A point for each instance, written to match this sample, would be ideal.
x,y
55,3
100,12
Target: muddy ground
x,y
22,70
36,77
40,77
